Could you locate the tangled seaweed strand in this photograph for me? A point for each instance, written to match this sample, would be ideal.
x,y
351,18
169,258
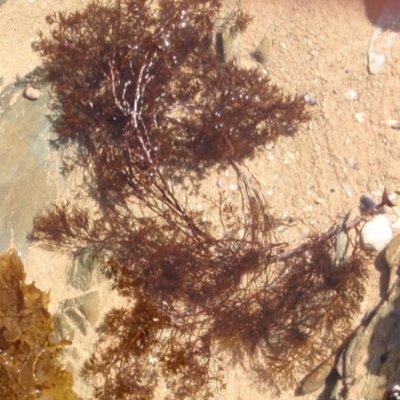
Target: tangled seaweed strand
x,y
139,96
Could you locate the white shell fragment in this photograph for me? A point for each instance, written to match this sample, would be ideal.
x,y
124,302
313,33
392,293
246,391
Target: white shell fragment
x,y
351,95
377,233
376,62
360,117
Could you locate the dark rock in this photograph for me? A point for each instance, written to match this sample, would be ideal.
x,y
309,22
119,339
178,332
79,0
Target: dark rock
x,y
367,203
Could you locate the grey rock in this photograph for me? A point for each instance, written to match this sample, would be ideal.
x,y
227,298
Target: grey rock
x,y
29,177
378,339
341,247
382,39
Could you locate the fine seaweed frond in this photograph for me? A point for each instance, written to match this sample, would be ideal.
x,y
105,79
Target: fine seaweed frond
x,y
139,97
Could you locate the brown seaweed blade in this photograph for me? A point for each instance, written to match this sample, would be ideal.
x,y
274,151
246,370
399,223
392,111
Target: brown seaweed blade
x,y
29,365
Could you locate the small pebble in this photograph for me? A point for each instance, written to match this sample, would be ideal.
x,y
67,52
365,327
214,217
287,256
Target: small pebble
x,y
392,196
367,203
390,122
351,95
319,200
360,117
221,183
32,93
310,99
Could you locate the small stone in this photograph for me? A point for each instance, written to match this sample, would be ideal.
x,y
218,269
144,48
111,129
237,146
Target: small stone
x,y
319,200
392,196
221,183
341,246
360,117
376,62
367,203
232,187
351,95
390,122
310,99
377,233
32,93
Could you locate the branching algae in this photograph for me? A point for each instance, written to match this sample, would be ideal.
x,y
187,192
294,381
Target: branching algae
x,y
140,98
28,359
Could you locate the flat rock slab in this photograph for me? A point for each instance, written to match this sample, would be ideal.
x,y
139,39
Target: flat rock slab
x,y
29,173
